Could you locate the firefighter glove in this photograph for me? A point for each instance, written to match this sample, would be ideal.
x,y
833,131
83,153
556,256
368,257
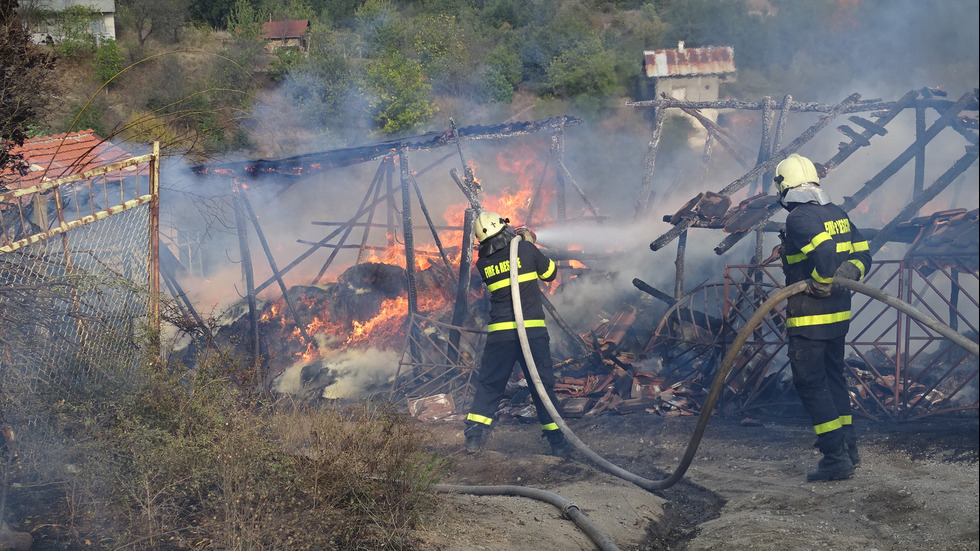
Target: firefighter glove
x,y
848,270
817,289
526,233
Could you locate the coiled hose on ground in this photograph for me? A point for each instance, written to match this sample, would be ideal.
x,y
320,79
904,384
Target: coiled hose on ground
x,y
709,404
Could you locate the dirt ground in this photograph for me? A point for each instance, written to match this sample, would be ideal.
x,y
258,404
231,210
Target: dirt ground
x,y
916,488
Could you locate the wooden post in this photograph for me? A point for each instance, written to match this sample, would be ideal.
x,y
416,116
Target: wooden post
x,y
154,237
461,305
645,194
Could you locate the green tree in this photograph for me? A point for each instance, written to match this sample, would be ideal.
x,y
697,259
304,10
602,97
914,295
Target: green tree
x,y
243,20
75,23
584,70
400,94
442,47
25,81
108,60
501,74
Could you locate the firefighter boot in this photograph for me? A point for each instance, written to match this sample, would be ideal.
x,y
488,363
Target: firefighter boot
x,y
835,463
476,436
560,447
850,444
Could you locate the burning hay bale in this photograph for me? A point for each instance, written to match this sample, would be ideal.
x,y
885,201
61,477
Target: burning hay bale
x,y
348,328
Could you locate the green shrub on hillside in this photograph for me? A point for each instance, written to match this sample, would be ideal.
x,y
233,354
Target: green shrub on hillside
x,y
108,60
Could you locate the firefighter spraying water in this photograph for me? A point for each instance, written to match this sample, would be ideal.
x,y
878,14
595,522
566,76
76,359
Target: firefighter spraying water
x,y
502,347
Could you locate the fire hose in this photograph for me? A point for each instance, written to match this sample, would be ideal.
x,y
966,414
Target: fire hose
x,y
713,394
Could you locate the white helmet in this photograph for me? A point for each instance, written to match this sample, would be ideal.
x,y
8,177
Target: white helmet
x,y
488,224
794,171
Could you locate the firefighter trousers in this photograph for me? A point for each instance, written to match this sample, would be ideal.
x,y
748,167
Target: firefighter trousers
x,y
496,367
818,375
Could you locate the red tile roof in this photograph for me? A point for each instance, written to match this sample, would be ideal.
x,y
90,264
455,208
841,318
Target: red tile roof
x,y
284,29
681,61
52,157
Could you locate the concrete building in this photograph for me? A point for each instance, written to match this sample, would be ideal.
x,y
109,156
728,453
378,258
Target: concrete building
x,y
102,25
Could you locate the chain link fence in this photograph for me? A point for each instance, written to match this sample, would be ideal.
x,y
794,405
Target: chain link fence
x,y
77,287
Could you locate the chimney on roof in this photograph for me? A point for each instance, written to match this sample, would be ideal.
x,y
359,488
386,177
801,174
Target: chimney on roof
x,y
680,46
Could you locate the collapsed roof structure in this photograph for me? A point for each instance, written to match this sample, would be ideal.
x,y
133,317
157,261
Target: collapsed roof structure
x,y
899,369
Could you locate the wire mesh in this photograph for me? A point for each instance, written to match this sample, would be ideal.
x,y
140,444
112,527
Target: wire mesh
x,y
433,362
898,369
75,269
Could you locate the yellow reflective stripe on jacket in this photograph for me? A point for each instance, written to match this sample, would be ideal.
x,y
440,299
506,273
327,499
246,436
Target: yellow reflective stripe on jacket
x,y
551,269
821,319
827,427
521,278
845,420
479,419
794,258
859,264
550,426
820,278
860,246
513,325
815,242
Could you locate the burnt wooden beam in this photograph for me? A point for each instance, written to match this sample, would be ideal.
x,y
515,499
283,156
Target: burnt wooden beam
x,y
460,306
930,193
882,118
558,152
762,167
654,292
679,265
409,239
854,136
572,335
874,183
387,163
302,166
859,106
248,276
868,125
431,225
649,161
348,228
323,241
468,192
300,324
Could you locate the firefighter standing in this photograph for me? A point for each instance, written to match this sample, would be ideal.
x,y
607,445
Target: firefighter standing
x,y
818,245
503,348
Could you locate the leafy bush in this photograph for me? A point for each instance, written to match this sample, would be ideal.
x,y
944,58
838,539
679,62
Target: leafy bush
x,y
108,60
400,94
84,117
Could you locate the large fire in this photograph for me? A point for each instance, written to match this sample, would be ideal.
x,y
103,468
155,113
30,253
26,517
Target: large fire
x,y
367,306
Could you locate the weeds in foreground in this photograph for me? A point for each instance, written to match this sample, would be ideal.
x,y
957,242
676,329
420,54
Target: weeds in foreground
x,y
193,462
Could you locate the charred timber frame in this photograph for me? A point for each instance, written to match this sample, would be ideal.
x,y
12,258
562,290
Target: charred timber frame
x,y
900,403
409,236
248,276
762,168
